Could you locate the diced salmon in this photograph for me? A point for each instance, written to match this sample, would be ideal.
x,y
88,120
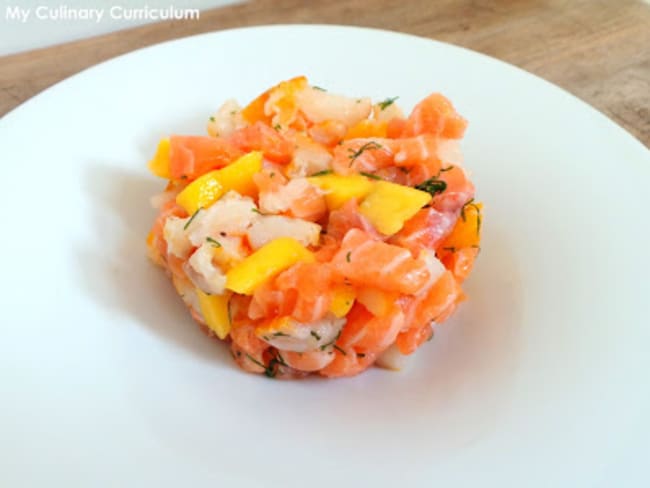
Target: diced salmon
x,y
435,115
460,261
436,303
459,191
408,341
425,230
348,217
362,155
193,156
347,362
311,283
367,333
366,261
247,349
261,137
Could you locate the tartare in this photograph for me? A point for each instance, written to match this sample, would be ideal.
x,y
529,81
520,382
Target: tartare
x,y
317,233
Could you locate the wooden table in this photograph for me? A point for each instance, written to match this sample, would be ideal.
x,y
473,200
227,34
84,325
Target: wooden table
x,y
597,50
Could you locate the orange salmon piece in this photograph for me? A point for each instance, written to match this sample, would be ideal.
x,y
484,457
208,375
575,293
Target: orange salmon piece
x,y
408,341
311,283
435,115
459,190
347,363
348,217
261,137
193,156
247,349
367,333
425,230
366,261
460,262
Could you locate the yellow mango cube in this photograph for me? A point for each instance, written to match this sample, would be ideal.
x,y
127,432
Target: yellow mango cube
x,y
389,205
378,302
467,230
208,188
214,309
266,262
339,189
367,128
342,300
159,164
238,175
201,193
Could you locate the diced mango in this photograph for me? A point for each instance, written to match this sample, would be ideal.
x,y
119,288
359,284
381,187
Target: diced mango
x,y
367,128
467,230
207,189
201,193
378,302
339,189
238,175
389,205
266,262
214,309
342,300
159,164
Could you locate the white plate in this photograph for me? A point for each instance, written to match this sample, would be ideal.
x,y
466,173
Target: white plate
x,y
540,380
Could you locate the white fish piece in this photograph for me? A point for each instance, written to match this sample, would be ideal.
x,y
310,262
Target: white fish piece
x,y
387,113
280,200
178,242
226,120
435,268
232,214
392,359
269,227
320,105
449,152
308,158
292,335
202,271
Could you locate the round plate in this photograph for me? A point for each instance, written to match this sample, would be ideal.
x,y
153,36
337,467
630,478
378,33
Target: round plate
x,y
541,378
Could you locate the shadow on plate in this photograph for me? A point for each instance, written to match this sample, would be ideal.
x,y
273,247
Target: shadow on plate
x,y
114,267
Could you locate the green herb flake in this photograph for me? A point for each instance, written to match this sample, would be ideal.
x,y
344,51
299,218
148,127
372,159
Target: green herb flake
x,y
339,349
383,105
187,224
212,119
277,127
280,334
256,211
348,256
433,186
366,147
448,168
319,88
272,175
315,334
323,173
213,242
370,175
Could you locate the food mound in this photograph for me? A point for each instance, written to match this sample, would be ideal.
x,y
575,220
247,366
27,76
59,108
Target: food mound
x,y
317,233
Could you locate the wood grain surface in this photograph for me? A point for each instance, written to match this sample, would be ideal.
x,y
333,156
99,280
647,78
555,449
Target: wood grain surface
x,y
597,50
